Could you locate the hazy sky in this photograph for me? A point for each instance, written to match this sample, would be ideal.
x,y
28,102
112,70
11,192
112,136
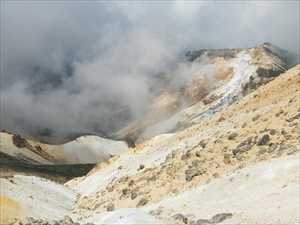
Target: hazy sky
x,y
64,62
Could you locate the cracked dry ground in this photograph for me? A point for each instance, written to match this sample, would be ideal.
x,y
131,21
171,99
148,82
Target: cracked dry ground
x,y
263,125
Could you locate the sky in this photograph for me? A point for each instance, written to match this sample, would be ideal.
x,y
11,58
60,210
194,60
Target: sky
x,y
70,66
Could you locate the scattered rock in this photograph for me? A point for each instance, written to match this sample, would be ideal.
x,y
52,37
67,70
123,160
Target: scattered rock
x,y
227,159
216,175
284,132
133,195
185,156
272,131
142,202
279,113
181,218
218,218
125,191
110,207
264,140
232,136
191,173
152,178
131,183
221,118
141,167
244,146
198,154
68,220
123,179
297,116
156,212
201,222
109,188
242,149
203,143
255,117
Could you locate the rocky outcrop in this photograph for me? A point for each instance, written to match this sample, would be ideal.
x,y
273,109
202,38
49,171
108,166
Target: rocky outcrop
x,y
192,55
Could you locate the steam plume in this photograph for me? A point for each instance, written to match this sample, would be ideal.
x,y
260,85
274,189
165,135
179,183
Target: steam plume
x,y
72,67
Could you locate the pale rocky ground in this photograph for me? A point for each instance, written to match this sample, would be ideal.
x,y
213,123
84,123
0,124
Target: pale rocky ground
x,y
23,196
266,193
234,159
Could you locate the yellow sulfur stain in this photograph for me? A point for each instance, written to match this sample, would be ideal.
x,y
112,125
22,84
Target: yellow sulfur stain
x,y
10,210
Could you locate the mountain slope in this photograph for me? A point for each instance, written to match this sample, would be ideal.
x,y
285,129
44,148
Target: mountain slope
x,y
232,156
263,125
208,81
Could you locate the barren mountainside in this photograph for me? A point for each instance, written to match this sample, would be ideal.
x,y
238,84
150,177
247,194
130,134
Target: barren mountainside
x,y
219,147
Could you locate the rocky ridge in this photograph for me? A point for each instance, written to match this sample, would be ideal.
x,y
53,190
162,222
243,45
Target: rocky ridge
x,y
83,150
